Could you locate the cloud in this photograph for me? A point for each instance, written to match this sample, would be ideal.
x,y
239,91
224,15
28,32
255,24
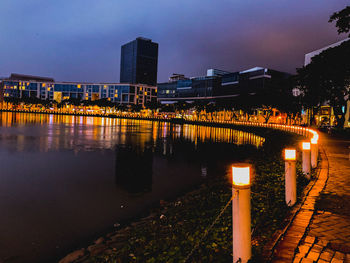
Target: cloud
x,y
79,40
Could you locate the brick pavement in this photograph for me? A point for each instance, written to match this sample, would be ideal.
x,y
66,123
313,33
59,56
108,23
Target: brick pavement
x,y
326,237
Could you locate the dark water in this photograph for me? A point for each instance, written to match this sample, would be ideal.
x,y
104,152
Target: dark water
x,y
65,180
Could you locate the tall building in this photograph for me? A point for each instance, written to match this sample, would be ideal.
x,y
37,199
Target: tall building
x,y
139,62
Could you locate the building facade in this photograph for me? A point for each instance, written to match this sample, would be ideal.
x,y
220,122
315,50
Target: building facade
x,y
221,86
311,54
139,62
24,86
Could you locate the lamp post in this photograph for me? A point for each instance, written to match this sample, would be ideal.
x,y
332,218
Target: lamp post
x,y
314,152
241,218
290,176
306,146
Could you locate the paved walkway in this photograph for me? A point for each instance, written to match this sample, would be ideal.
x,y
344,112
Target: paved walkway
x,y
320,232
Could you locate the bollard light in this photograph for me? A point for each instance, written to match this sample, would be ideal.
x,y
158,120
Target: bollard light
x,y
314,140
290,154
314,152
241,218
290,176
241,176
306,146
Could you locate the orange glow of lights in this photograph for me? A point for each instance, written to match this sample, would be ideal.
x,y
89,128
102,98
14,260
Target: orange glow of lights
x,y
314,140
315,136
306,146
290,154
241,176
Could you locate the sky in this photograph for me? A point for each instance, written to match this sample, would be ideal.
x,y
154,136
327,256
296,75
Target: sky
x,y
80,40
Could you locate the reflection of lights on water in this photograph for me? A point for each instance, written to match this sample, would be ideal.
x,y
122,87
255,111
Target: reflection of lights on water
x,y
205,133
107,132
204,171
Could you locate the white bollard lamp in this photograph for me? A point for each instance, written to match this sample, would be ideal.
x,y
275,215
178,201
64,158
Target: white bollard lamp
x,y
306,148
290,176
241,218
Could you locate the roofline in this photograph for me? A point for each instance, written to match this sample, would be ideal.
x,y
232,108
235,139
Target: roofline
x,y
82,83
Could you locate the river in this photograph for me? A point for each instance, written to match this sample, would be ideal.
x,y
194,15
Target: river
x,y
65,180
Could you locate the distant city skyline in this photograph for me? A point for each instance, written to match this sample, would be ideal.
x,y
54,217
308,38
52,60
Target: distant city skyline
x,y
80,40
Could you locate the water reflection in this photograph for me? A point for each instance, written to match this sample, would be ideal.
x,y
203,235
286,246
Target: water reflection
x,y
81,133
65,176
134,168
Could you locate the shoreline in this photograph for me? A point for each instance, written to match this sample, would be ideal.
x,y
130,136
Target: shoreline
x,y
170,120
103,249
96,248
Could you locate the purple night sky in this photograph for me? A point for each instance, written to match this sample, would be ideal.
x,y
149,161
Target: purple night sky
x,y
79,40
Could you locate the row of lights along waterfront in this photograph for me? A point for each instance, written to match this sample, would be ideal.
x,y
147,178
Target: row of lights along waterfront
x,y
241,217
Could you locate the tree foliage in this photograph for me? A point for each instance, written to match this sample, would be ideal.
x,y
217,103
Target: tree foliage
x,y
342,19
327,80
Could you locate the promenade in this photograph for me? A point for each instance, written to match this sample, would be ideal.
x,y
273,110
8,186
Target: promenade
x,y
320,231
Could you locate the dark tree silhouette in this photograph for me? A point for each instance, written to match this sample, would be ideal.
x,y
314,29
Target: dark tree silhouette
x,y
327,80
342,19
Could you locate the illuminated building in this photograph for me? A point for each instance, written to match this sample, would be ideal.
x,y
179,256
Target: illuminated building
x,y
221,86
24,86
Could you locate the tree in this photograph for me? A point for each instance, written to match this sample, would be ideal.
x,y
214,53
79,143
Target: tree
x,y
342,19
152,105
327,80
287,102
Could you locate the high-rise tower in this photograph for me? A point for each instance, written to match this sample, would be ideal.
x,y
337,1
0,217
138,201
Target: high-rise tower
x,y
139,62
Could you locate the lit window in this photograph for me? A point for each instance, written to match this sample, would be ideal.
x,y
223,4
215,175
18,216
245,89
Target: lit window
x,y
48,89
116,95
146,93
79,86
167,92
44,84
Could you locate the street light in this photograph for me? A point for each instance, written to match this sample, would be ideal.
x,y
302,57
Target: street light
x,y
241,218
314,152
290,176
306,147
241,176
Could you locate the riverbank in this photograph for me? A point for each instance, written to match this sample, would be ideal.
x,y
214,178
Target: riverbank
x,y
172,229
209,123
